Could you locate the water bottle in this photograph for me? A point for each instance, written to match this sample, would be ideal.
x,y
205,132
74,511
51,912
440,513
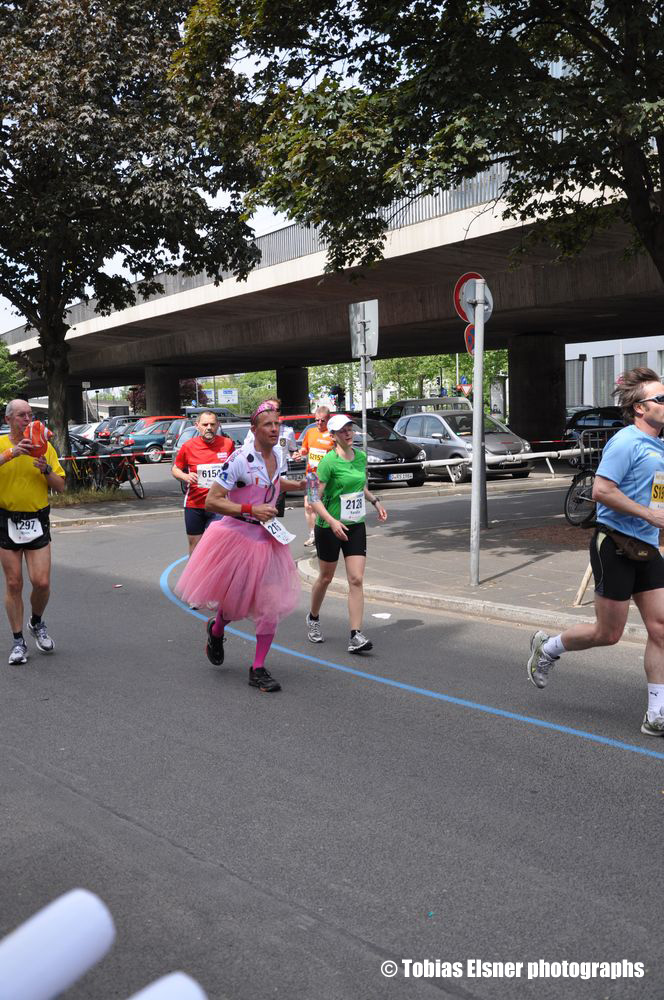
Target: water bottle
x,y
312,487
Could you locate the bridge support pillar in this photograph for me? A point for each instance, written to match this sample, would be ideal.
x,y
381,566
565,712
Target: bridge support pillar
x,y
293,389
537,386
162,389
75,403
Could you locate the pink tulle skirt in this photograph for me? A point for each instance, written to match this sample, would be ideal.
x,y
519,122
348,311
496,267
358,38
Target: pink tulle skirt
x,y
240,569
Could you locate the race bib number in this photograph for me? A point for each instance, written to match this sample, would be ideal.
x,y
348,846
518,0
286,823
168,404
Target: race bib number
x,y
352,507
24,531
657,495
315,456
207,475
278,532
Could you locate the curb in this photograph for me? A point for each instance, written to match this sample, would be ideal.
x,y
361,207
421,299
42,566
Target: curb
x,y
465,606
65,522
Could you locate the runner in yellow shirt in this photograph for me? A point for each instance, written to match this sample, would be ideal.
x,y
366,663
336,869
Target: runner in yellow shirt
x,y
315,445
25,527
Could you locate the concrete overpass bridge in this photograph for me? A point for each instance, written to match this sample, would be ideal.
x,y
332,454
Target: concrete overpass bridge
x,y
289,314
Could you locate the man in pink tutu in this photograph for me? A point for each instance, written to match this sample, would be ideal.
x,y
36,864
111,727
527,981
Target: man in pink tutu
x,y
242,567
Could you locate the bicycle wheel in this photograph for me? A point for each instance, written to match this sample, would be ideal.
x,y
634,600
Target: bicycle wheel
x,y
579,504
135,481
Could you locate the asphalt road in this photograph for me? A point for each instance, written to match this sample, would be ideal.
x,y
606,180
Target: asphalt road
x,y
376,809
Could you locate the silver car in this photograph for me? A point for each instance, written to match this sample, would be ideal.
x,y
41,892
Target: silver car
x,y
450,436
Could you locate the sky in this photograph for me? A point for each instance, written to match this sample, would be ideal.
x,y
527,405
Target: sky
x,y
264,221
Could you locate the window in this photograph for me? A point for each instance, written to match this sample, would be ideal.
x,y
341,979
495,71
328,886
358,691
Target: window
x,y
574,383
603,380
431,426
415,426
639,360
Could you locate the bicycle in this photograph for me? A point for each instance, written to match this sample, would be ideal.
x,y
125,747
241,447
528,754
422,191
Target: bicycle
x,y
110,475
580,508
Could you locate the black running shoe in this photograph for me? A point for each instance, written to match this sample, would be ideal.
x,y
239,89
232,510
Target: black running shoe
x,y
263,680
214,647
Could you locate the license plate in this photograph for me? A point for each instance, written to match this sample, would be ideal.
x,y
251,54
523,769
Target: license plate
x,y
399,476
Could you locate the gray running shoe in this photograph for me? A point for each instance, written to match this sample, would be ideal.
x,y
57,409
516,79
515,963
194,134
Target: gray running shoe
x,y
19,653
314,633
540,663
44,642
653,725
359,644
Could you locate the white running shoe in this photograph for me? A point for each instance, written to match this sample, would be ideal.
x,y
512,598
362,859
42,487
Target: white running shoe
x,y
539,662
653,724
44,642
359,644
314,633
19,653
310,540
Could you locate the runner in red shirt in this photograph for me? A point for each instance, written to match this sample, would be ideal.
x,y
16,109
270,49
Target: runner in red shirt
x,y
198,463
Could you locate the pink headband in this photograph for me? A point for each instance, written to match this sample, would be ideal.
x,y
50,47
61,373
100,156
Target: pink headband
x,y
262,408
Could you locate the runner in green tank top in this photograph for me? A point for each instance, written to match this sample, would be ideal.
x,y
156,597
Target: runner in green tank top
x,y
339,504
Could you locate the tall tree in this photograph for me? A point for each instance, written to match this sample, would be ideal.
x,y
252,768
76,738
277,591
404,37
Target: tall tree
x,y
99,160
357,103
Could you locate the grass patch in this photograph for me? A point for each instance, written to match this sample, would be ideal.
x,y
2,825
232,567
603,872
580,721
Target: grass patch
x,y
89,496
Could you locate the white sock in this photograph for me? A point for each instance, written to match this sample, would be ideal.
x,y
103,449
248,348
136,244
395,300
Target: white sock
x,y
656,698
553,646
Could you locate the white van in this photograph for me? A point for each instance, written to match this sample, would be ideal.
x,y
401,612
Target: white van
x,y
402,407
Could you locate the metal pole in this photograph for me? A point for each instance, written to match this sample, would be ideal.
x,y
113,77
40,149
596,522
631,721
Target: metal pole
x,y
214,390
457,368
363,389
478,426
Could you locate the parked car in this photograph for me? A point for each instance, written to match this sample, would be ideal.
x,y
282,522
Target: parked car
x,y
121,430
106,428
402,407
390,457
147,443
594,418
449,435
175,428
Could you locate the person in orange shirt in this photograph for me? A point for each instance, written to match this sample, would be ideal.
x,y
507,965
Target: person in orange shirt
x,y
315,445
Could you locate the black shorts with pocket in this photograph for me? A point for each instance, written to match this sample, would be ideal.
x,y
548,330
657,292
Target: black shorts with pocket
x,y
39,543
328,546
616,576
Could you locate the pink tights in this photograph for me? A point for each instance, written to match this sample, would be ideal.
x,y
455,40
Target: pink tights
x,y
263,642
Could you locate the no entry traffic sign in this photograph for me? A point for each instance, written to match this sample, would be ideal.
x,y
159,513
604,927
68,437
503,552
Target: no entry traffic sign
x,y
464,296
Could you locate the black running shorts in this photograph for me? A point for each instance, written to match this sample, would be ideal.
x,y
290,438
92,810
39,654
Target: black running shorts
x,y
616,576
328,546
196,519
39,543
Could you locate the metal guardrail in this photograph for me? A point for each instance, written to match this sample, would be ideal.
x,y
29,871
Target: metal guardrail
x,y
296,241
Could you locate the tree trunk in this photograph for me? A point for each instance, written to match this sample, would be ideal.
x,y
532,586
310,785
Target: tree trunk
x,y
56,371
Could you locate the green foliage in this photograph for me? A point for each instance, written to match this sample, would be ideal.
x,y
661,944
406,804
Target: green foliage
x,y
253,387
353,103
409,375
13,377
99,159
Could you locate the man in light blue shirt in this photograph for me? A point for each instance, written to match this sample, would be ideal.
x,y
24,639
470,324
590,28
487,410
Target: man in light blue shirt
x,y
629,490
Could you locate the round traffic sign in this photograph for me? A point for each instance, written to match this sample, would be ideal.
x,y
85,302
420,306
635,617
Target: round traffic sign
x,y
467,297
461,312
469,337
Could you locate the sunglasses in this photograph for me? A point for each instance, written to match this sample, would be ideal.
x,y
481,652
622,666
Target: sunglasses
x,y
653,399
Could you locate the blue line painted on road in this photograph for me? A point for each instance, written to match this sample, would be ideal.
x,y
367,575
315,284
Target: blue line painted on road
x,y
437,695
